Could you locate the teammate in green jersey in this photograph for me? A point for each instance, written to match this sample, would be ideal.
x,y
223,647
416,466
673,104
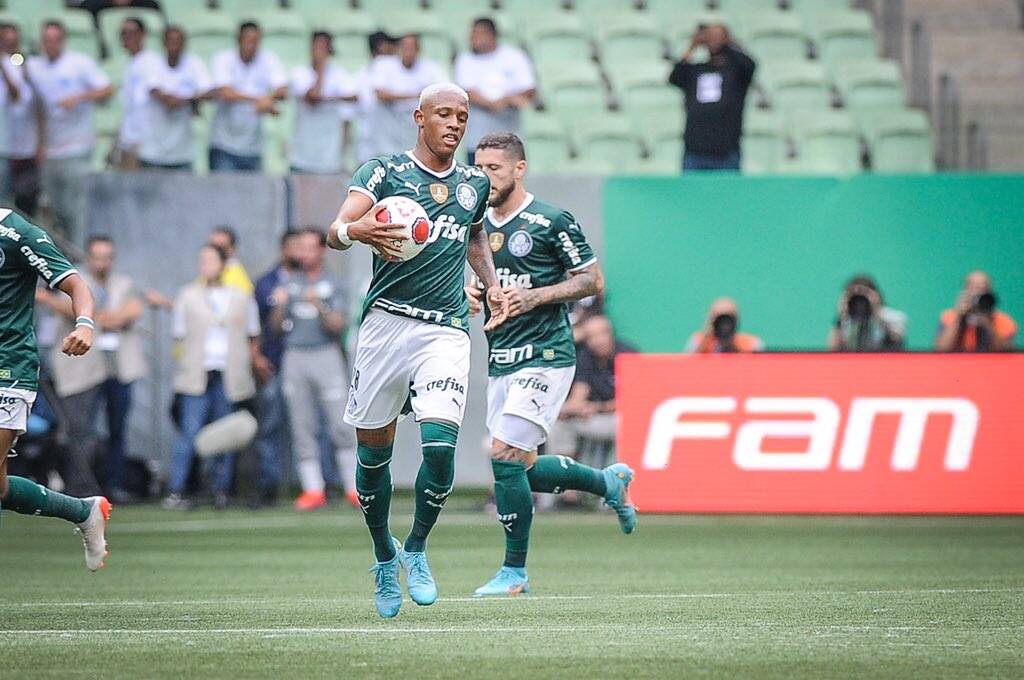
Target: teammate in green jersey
x,y
27,253
543,261
413,343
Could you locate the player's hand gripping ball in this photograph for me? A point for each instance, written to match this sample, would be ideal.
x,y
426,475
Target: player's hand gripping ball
x,y
412,216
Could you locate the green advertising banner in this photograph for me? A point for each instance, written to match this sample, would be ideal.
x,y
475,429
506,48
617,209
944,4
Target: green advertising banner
x,y
783,247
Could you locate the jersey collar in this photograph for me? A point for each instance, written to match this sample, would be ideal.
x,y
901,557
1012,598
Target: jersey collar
x,y
512,215
424,168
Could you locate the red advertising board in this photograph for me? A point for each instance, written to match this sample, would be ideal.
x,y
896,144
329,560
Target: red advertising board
x,y
822,433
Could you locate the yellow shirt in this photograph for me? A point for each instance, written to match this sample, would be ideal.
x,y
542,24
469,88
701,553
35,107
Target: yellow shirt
x,y
235,276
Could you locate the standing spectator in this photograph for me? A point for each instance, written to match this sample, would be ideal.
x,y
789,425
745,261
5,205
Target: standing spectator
x,y
226,239
69,84
975,323
863,322
272,438
319,90
104,376
19,127
721,332
368,131
397,82
715,93
499,80
589,410
173,92
138,73
309,312
217,328
249,82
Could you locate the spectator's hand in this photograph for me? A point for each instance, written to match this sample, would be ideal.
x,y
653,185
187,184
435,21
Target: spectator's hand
x,y
518,101
69,103
964,304
475,297
267,105
520,300
155,298
279,297
498,303
77,341
263,369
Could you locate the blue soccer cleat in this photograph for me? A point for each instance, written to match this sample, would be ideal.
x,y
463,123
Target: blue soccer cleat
x,y
508,582
422,588
617,478
388,591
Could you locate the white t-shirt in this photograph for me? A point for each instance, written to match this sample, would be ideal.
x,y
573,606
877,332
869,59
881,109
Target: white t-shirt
x,y
19,131
316,135
215,345
503,72
167,133
69,134
137,73
365,114
238,128
394,126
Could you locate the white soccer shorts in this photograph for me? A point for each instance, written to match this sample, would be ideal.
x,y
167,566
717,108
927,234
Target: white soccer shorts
x,y
535,393
398,358
15,406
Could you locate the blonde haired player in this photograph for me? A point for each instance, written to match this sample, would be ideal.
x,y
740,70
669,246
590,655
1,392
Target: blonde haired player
x,y
413,342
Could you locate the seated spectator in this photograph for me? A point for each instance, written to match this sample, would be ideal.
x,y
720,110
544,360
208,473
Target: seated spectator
x,y
589,410
716,94
138,72
975,323
171,98
248,83
217,328
226,239
863,322
19,139
319,90
499,80
721,332
397,82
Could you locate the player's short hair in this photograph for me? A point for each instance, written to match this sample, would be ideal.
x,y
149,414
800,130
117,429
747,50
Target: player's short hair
x,y
98,238
246,25
487,23
314,231
53,23
227,231
504,141
137,22
431,91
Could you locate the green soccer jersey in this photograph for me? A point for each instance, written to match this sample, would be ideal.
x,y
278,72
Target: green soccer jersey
x,y
26,252
536,246
428,287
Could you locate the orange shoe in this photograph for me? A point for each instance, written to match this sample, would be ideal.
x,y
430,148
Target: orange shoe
x,y
311,500
353,499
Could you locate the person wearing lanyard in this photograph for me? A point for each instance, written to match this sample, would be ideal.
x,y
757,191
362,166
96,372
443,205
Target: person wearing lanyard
x,y
217,328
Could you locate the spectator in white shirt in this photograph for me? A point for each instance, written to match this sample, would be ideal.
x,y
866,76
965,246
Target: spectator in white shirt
x,y
499,80
19,126
137,73
171,99
69,85
248,84
397,82
319,90
368,130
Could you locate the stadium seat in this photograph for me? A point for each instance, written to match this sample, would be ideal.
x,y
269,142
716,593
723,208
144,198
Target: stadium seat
x,y
774,36
630,35
286,34
547,143
826,142
277,132
664,154
669,12
591,8
208,33
900,140
627,73
176,7
571,92
29,14
391,10
18,21
652,106
554,36
350,29
844,35
808,10
435,37
110,28
588,167
796,84
245,9
869,83
81,32
763,144
741,8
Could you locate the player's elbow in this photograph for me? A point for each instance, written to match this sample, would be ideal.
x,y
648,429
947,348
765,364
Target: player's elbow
x,y
598,286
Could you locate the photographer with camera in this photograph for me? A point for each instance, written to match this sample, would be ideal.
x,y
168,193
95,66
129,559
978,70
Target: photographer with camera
x,y
975,324
720,334
863,322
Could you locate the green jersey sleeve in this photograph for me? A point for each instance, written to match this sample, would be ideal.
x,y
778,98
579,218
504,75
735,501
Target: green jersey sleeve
x,y
571,244
369,179
39,253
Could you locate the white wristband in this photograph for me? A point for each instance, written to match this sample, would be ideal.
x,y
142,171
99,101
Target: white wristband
x,y
85,321
341,228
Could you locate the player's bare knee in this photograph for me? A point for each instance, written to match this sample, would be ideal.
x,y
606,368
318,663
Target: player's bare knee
x,y
507,453
377,438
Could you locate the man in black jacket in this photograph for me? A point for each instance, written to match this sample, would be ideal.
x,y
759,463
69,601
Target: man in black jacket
x,y
715,95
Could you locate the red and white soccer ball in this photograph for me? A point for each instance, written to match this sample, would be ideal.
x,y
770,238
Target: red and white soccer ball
x,y
411,215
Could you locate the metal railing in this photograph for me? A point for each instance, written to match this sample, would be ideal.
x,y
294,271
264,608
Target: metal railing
x,y
920,66
977,147
948,117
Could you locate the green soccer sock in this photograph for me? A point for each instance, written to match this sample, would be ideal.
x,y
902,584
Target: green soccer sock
x,y
25,497
434,481
373,484
515,508
555,474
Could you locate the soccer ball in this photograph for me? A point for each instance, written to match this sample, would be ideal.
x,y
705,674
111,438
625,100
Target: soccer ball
x,y
411,215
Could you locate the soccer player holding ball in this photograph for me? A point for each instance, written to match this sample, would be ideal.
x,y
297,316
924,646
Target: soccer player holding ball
x,y
543,262
28,253
413,342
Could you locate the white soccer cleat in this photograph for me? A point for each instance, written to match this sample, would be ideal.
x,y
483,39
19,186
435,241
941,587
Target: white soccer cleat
x,y
93,531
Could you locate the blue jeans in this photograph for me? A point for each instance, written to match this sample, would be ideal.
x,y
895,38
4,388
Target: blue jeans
x,y
196,412
224,161
117,397
700,161
273,437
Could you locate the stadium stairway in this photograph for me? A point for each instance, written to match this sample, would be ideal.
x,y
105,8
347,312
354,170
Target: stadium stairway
x,y
981,44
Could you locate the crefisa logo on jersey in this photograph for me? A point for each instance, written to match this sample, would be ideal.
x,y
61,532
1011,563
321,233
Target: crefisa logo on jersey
x,y
520,243
466,196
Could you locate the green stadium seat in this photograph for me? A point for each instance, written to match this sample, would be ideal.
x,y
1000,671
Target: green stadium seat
x,y
665,152
796,84
556,36
387,11
827,142
626,73
869,83
844,35
669,13
774,36
633,35
81,32
435,37
208,33
245,9
763,143
653,106
110,28
588,167
18,21
29,13
277,131
175,7
591,8
808,10
286,34
741,8
350,29
900,141
570,92
547,143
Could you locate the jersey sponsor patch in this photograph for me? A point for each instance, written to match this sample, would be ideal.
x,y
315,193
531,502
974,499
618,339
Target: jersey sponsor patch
x,y
520,243
497,240
466,196
439,192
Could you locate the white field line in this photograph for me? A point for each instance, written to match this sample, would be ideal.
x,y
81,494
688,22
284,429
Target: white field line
x,y
285,631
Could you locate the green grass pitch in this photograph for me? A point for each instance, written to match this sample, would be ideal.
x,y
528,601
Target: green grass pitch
x,y
278,595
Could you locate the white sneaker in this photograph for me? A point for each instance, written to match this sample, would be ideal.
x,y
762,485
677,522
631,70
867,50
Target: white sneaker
x,y
93,529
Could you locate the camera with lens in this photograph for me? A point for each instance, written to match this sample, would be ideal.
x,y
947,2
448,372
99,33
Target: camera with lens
x,y
858,305
724,327
984,303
